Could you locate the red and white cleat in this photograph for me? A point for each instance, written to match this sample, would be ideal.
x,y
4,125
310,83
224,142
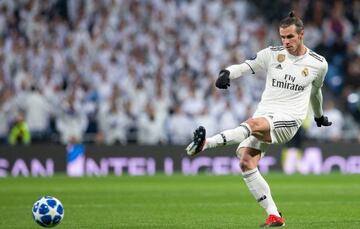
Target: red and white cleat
x,y
274,221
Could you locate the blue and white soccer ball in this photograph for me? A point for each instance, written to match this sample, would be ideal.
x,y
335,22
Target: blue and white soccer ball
x,y
48,211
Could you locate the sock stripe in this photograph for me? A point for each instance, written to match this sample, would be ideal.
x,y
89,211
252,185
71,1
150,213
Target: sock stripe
x,y
261,198
247,129
246,175
224,138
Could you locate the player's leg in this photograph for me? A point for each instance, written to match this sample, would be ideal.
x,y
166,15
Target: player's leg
x,y
258,127
259,188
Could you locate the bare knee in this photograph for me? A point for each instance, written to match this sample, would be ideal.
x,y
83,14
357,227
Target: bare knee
x,y
254,125
249,158
260,128
247,164
258,124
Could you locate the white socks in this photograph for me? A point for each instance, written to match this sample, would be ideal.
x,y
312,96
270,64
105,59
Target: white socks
x,y
260,190
229,137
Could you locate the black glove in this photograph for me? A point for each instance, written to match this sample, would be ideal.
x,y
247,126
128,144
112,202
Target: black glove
x,y
322,121
223,82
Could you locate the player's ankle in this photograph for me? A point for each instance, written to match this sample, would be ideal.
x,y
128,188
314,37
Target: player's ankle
x,y
273,212
211,142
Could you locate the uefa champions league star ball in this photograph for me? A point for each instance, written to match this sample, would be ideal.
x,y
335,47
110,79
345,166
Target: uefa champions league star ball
x,y
48,211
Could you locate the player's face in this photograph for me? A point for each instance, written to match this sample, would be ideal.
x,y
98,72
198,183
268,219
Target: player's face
x,y
291,39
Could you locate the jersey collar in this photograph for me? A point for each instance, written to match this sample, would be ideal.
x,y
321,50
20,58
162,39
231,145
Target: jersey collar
x,y
296,58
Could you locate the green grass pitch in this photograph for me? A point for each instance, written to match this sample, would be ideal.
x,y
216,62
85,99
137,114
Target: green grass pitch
x,y
330,201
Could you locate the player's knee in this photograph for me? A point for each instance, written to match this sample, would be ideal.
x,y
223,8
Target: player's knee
x,y
253,124
246,164
258,124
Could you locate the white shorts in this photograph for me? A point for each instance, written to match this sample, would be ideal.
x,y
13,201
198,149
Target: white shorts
x,y
282,129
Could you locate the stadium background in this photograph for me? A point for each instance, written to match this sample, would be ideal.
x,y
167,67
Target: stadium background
x,y
107,87
135,73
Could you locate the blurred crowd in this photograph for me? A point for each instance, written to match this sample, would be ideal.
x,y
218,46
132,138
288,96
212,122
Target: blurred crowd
x,y
141,71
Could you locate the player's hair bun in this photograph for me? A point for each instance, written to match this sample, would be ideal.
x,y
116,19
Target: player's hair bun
x,y
292,14
292,19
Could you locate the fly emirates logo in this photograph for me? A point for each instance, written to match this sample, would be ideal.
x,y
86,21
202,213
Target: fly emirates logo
x,y
287,83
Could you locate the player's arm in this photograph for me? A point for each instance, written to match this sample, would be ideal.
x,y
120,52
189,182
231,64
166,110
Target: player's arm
x,y
316,100
259,62
231,72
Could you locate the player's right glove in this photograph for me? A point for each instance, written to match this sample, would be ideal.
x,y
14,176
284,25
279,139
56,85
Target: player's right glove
x,y
322,121
223,82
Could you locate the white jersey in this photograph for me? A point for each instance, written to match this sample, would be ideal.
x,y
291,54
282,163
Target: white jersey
x,y
289,80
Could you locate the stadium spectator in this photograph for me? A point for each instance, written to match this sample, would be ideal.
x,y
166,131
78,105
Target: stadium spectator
x,y
19,132
162,98
114,122
208,121
151,127
335,131
241,105
6,109
37,114
217,103
228,118
178,125
337,26
193,103
71,121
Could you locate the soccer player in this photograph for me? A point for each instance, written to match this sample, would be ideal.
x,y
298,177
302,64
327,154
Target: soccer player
x,y
295,75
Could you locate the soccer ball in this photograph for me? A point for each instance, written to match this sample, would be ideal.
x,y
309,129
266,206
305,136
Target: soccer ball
x,y
48,211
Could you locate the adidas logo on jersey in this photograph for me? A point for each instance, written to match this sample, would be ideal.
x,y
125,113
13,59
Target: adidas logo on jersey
x,y
278,66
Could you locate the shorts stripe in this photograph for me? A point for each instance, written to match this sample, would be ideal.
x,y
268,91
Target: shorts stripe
x,y
283,124
276,127
277,124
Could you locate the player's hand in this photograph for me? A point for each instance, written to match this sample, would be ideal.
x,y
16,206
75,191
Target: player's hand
x,y
223,82
322,121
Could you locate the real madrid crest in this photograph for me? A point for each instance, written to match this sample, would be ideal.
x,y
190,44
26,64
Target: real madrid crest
x,y
281,58
305,72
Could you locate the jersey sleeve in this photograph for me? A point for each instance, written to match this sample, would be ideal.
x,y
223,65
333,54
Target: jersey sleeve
x,y
319,80
260,61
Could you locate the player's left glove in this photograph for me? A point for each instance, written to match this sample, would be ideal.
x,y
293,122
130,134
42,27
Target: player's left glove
x,y
322,121
223,82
